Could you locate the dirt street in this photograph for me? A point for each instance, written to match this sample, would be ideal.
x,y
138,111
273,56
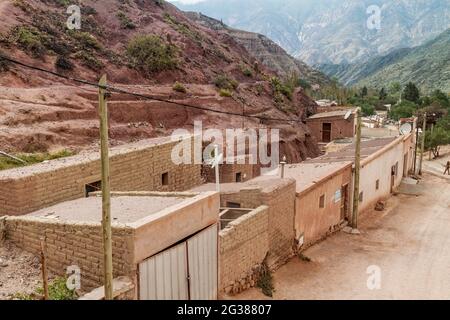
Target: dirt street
x,y
409,242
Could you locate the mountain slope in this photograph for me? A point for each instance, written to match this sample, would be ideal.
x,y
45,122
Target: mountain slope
x,y
143,46
266,51
333,31
427,65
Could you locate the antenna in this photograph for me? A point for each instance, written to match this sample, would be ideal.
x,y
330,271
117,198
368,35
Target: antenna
x,y
348,114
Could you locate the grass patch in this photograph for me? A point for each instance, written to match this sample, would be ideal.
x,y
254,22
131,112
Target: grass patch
x,y
224,82
29,39
183,28
286,89
265,281
63,63
150,54
57,290
225,93
8,163
125,21
179,87
89,60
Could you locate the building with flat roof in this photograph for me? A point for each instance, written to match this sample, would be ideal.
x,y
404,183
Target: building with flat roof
x,y
332,125
157,238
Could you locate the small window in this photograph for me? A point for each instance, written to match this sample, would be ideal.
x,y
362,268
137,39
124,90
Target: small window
x,y
322,201
238,177
233,205
165,179
92,187
361,196
377,184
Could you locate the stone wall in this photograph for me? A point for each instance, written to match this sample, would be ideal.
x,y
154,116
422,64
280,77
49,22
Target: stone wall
x,y
137,167
244,244
77,244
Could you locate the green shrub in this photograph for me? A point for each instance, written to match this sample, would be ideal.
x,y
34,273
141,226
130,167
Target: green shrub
x,y
151,54
265,281
125,22
179,87
246,71
224,82
278,87
89,60
86,40
225,93
30,40
367,110
63,63
57,290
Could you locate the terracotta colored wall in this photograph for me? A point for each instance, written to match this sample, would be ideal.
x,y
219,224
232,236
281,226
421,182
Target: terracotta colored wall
x,y
340,128
314,222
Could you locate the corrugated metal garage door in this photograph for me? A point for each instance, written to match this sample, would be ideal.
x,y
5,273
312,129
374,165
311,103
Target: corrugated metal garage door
x,y
164,276
186,271
202,257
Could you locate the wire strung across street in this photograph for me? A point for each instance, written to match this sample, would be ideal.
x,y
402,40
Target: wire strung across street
x,y
138,95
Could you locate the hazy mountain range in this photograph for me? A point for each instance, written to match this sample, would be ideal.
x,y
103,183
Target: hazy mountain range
x,y
332,31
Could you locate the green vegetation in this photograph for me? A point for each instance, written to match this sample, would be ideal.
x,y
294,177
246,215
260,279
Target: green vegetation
x,y
265,281
29,39
286,88
57,290
150,54
63,63
439,136
125,21
89,60
405,109
246,71
33,158
183,28
179,87
224,82
411,93
225,93
86,40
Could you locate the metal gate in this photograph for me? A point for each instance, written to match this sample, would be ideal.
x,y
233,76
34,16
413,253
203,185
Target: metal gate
x,y
185,271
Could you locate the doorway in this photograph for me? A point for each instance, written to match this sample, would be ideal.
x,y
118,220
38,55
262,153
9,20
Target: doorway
x,y
326,132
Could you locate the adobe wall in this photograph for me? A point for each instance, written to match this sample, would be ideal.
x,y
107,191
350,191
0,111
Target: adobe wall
x,y
314,222
137,167
340,128
244,244
77,244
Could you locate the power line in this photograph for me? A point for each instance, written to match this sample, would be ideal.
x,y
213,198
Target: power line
x,y
138,95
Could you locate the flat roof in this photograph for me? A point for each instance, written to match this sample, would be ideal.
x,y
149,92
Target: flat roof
x,y
83,158
368,147
308,175
265,183
124,209
330,114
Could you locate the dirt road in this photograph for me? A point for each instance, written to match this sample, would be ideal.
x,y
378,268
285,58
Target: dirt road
x,y
409,242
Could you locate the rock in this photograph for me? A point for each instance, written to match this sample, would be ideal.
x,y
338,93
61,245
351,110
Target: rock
x,y
380,206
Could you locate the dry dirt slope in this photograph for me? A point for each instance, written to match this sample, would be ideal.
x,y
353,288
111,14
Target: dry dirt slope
x,y
39,111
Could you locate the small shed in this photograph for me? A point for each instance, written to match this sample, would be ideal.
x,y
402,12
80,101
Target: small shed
x,y
333,125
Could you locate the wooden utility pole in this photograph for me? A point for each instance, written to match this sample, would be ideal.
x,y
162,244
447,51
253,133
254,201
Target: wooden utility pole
x,y
106,194
44,270
422,143
357,170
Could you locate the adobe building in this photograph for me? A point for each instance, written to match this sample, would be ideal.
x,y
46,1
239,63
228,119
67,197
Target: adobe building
x,y
142,166
329,126
323,198
236,169
384,163
165,243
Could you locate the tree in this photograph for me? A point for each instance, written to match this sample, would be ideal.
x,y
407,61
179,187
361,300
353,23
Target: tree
x,y
434,140
382,94
441,98
367,110
364,92
395,87
405,109
411,93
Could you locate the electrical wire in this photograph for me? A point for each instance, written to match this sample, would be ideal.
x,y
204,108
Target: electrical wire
x,y
138,95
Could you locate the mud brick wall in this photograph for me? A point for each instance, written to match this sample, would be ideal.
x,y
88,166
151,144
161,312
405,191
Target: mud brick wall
x,y
281,202
133,168
244,244
77,244
228,172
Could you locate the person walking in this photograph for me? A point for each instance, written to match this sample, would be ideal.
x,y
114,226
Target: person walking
x,y
447,168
